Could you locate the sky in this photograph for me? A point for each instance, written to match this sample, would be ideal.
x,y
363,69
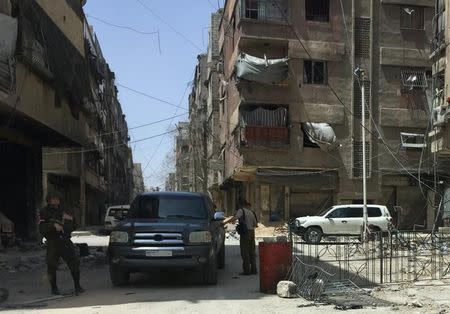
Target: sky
x,y
140,65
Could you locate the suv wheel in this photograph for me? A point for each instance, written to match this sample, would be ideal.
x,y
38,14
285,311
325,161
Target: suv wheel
x,y
119,277
221,257
209,272
313,235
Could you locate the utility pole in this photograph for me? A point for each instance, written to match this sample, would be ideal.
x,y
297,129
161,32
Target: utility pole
x,y
82,191
364,174
360,74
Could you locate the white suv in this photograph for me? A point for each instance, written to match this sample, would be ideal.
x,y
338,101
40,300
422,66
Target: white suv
x,y
341,220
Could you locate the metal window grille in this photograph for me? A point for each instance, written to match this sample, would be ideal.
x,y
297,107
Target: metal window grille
x,y
414,77
413,140
315,72
264,9
317,10
357,99
414,99
362,37
411,17
357,159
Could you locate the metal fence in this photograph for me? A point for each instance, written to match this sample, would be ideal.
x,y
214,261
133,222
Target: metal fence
x,y
397,257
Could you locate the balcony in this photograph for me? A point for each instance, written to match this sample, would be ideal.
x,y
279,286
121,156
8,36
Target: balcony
x,y
264,126
265,19
258,136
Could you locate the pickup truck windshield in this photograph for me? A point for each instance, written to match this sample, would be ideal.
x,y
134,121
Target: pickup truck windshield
x,y
169,207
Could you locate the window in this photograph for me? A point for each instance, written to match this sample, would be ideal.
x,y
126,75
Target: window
x,y
317,10
315,72
411,17
412,140
357,159
374,212
355,212
169,207
362,37
338,213
251,9
415,99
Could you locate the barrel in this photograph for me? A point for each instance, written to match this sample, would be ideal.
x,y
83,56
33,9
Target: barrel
x,y
275,260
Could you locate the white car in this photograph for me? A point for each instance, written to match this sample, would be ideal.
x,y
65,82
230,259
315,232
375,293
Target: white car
x,y
114,212
341,220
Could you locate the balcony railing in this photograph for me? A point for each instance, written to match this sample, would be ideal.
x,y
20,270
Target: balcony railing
x,y
264,10
263,136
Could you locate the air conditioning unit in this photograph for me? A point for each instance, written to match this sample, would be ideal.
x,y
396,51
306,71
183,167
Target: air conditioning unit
x,y
440,115
35,55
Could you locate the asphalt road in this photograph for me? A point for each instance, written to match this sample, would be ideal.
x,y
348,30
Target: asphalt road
x,y
156,293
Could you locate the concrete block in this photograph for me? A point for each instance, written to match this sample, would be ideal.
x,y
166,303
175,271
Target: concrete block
x,y
287,289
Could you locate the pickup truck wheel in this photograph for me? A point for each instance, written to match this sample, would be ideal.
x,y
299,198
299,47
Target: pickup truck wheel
x,y
209,272
119,277
221,257
313,235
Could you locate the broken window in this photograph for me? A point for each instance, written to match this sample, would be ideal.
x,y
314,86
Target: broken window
x,y
362,37
412,140
358,159
315,72
414,77
317,10
411,17
357,99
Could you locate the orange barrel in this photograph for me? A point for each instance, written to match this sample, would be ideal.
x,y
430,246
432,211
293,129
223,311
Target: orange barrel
x,y
275,260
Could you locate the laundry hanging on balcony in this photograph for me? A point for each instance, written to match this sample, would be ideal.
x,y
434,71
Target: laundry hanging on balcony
x,y
265,71
321,134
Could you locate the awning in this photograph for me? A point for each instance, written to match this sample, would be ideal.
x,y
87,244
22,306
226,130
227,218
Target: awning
x,y
265,71
307,179
321,134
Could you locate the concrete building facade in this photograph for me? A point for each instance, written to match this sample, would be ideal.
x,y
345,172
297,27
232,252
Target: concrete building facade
x,y
54,113
182,166
271,131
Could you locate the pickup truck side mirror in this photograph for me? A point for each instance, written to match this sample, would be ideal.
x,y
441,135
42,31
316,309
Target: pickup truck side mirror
x,y
219,216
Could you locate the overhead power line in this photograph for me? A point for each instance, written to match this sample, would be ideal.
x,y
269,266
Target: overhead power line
x,y
151,97
108,147
170,26
129,28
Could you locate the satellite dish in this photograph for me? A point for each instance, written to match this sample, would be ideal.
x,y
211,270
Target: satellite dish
x,y
409,10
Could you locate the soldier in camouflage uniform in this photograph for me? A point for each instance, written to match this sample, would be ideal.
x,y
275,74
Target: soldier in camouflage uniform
x,y
56,225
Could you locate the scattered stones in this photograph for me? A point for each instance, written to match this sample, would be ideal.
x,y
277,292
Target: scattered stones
x,y
411,293
417,304
287,289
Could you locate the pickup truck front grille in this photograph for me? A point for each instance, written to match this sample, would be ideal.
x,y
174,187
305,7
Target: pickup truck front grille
x,y
144,238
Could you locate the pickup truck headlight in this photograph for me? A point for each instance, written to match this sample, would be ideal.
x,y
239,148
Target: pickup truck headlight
x,y
118,237
200,237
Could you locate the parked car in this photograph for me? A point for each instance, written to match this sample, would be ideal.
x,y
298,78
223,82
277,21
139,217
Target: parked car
x,y
341,220
114,214
174,230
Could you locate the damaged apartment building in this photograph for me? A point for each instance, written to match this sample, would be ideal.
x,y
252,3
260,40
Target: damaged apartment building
x,y
291,105
439,133
61,124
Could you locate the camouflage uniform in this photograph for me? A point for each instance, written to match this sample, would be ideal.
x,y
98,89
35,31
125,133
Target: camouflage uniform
x,y
59,245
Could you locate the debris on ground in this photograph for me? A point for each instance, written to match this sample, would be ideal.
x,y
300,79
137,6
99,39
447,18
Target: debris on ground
x,y
287,289
416,303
